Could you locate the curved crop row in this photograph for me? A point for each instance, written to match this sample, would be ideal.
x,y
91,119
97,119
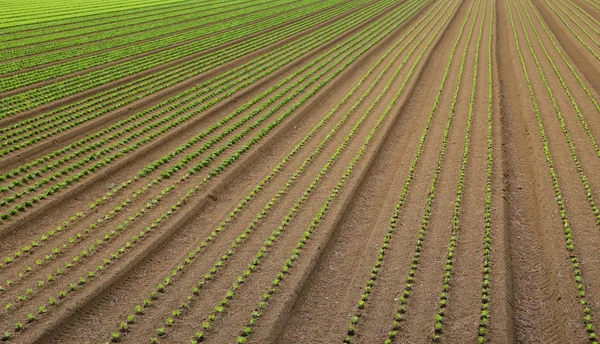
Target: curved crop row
x,y
123,151
82,280
73,118
229,30
218,152
391,229
155,165
584,12
90,27
40,44
562,19
274,236
577,274
582,20
407,289
45,94
260,186
456,225
39,28
484,317
110,49
576,160
9,23
583,177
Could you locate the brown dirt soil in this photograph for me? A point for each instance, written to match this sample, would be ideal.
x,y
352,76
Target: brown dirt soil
x,y
314,191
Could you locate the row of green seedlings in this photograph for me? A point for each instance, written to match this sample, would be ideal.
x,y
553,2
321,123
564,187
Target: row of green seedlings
x,y
122,152
142,173
126,94
566,88
78,25
130,47
130,89
257,313
126,140
585,13
51,166
26,166
570,246
204,162
579,16
45,15
26,15
562,19
22,61
407,290
107,104
35,97
578,23
456,226
249,230
30,13
241,239
116,38
595,4
117,28
118,207
576,160
564,59
270,19
244,47
584,180
484,317
393,221
168,214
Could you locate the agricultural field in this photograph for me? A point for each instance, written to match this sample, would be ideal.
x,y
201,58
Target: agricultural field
x,y
300,171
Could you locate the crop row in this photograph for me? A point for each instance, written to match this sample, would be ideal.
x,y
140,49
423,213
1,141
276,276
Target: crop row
x,y
562,7
115,48
584,12
576,160
193,41
66,38
564,59
581,20
593,3
456,225
34,10
256,314
352,329
101,21
570,246
584,180
222,166
95,108
123,151
586,45
248,231
407,289
30,99
155,165
8,22
484,317
206,146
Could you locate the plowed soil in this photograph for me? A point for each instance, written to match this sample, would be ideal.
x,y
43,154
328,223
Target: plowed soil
x,y
368,171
